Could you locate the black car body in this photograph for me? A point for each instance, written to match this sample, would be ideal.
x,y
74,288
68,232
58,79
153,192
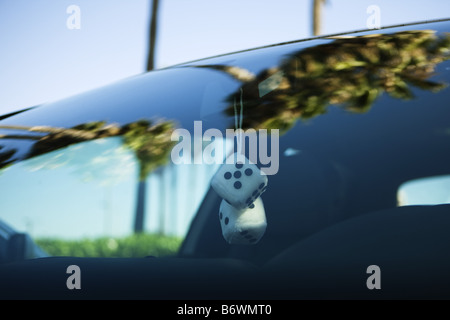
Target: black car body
x,y
359,115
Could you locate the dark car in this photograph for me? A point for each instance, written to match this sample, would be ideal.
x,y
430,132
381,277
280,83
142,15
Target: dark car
x,y
351,133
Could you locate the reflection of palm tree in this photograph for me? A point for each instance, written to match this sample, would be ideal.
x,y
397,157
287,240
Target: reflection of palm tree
x,y
350,72
53,138
151,144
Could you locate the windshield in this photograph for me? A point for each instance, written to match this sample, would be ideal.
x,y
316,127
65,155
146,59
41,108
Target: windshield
x,y
339,126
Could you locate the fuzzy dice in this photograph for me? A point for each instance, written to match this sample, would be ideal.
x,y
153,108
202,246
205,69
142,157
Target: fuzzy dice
x,y
243,226
239,182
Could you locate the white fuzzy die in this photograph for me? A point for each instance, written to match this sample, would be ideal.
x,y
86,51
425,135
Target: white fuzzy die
x,y
239,181
245,226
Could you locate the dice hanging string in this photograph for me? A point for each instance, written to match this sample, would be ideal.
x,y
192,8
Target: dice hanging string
x,y
242,111
235,115
238,120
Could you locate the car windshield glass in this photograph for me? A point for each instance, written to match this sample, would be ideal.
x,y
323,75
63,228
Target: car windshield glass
x,y
339,124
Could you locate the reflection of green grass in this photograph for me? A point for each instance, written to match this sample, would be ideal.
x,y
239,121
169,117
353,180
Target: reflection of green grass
x,y
139,245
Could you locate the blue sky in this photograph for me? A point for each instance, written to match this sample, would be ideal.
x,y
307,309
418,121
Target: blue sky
x,y
42,60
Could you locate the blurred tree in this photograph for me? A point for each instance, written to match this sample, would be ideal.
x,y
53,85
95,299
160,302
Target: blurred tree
x,y
142,187
317,16
152,35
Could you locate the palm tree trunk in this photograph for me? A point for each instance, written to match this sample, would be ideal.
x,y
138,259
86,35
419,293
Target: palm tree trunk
x,y
317,12
140,206
162,177
142,183
152,36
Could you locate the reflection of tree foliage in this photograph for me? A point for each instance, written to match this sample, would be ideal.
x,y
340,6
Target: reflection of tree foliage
x,y
150,142
350,72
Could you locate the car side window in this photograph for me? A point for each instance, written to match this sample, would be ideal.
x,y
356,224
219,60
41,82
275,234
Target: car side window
x,y
89,191
425,191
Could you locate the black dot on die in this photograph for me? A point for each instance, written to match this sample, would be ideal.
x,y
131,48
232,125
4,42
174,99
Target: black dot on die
x,y
249,200
251,206
255,193
227,220
237,185
239,165
237,174
248,172
261,185
227,175
220,215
